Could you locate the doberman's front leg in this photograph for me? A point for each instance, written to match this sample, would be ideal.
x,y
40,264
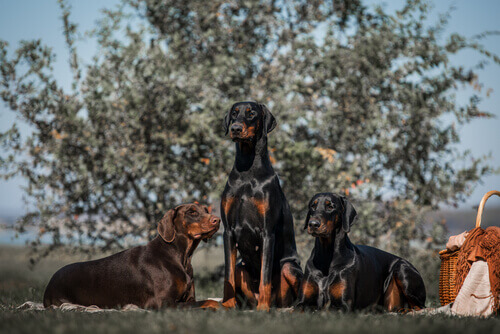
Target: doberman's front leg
x,y
229,271
290,282
191,302
308,295
245,285
341,294
202,304
264,301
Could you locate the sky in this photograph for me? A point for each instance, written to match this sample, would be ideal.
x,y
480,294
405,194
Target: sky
x,y
33,19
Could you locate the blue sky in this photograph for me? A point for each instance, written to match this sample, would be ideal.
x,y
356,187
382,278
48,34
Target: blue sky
x,y
32,19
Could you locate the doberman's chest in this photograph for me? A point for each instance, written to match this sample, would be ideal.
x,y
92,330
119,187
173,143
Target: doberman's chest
x,y
174,283
246,216
247,211
329,289
246,204
183,286
242,208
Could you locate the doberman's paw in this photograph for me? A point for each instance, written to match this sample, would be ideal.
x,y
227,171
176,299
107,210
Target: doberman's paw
x,y
230,303
211,305
263,307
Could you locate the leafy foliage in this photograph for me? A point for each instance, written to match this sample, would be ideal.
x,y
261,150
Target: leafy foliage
x,y
364,101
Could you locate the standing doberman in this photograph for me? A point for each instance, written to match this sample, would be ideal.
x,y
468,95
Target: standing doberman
x,y
346,277
257,218
156,275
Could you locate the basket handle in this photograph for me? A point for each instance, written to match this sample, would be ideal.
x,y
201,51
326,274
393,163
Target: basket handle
x,y
481,205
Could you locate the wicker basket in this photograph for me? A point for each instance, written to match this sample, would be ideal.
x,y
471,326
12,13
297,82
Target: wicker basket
x,y
449,258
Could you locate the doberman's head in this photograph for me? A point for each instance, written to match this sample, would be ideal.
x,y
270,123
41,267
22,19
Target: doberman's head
x,y
328,213
248,121
192,220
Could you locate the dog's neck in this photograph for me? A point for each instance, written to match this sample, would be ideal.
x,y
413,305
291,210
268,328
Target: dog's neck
x,y
181,248
252,155
331,251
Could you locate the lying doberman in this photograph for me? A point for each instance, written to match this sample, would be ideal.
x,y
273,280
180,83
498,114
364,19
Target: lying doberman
x,y
346,277
256,217
156,275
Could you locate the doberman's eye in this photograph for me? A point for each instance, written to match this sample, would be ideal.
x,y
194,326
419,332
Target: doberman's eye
x,y
234,114
329,206
252,113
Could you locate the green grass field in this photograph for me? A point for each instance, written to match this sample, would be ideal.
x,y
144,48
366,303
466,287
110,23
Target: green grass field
x,y
19,284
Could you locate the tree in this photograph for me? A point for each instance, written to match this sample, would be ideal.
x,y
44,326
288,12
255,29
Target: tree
x,y
362,98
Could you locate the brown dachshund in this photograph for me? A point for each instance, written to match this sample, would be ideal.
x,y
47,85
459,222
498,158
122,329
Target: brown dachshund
x,y
156,275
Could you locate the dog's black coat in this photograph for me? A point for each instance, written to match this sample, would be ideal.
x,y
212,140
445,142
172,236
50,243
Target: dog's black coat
x,y
343,276
256,217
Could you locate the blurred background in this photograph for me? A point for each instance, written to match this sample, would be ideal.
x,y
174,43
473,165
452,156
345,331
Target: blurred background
x,y
112,113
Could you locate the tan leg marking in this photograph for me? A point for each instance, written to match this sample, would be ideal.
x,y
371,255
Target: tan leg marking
x,y
243,281
264,299
393,300
230,285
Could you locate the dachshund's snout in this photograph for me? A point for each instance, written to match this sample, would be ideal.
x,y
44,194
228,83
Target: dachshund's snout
x,y
314,224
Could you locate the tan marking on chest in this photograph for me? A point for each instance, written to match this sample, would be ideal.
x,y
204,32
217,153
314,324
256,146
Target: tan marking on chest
x,y
261,204
227,203
309,289
337,289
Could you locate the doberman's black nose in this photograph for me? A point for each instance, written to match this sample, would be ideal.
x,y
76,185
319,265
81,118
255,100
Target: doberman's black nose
x,y
236,129
314,223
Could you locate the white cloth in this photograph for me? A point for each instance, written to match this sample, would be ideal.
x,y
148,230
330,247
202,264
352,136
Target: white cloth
x,y
475,297
32,306
456,241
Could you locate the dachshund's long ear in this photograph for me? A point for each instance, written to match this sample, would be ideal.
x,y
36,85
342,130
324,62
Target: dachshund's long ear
x,y
227,121
268,119
349,215
166,228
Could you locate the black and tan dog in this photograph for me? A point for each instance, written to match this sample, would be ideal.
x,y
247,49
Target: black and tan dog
x,y
346,277
256,217
156,275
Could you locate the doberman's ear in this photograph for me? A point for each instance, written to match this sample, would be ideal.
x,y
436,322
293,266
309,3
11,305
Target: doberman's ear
x,y
307,219
308,214
268,119
166,228
227,121
349,214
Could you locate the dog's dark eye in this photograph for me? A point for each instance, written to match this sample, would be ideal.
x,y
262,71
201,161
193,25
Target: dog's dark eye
x,y
234,114
329,206
252,113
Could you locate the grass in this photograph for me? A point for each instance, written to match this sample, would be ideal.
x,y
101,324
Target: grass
x,y
19,284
